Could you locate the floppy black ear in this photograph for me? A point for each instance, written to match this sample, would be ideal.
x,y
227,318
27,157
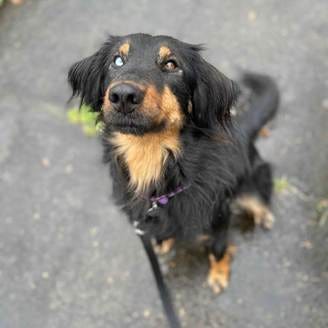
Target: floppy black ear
x,y
86,79
213,96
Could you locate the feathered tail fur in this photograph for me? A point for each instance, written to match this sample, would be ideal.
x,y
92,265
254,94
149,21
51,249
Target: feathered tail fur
x,y
263,104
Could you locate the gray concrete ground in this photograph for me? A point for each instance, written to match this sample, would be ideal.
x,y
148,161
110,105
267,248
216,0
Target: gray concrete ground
x,y
68,258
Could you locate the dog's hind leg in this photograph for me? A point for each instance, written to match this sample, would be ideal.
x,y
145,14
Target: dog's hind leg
x,y
251,206
254,196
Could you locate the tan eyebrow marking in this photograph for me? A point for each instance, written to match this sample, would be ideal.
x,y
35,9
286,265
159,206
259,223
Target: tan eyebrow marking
x,y
164,52
124,49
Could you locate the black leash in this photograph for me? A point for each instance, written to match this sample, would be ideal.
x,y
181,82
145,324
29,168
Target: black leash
x,y
161,286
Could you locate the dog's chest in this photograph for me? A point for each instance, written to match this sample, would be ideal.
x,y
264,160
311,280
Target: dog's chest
x,y
145,156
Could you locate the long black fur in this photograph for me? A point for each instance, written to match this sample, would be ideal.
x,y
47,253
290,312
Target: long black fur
x,y
218,160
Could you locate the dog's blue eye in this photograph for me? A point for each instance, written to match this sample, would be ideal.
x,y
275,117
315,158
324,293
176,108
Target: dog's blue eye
x,y
118,61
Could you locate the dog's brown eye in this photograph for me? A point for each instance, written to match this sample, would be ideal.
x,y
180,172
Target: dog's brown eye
x,y
171,65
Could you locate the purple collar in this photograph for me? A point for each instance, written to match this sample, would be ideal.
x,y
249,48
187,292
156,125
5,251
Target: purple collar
x,y
164,199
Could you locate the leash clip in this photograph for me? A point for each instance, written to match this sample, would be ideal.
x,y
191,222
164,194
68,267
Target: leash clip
x,y
139,232
154,206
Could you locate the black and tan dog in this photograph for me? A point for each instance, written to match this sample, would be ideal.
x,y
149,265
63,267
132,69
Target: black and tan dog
x,y
180,164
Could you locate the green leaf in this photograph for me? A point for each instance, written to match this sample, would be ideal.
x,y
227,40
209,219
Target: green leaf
x,y
86,118
73,116
89,131
281,185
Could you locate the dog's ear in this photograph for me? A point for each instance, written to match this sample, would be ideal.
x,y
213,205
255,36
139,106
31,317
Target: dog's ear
x,y
86,79
213,96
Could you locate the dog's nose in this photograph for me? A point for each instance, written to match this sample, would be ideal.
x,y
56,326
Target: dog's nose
x,y
125,97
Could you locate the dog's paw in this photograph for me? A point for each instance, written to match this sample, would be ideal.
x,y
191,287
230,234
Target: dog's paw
x,y
264,132
219,273
265,219
164,247
256,209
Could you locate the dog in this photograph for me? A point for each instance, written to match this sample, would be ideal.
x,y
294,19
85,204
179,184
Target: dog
x,y
180,162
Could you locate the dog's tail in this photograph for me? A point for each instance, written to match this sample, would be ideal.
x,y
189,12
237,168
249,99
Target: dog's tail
x,y
263,104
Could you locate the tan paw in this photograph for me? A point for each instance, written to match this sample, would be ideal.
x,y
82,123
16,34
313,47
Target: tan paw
x,y
254,207
219,273
265,132
164,247
266,219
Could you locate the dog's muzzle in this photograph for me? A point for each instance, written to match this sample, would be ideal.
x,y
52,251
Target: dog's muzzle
x,y
125,97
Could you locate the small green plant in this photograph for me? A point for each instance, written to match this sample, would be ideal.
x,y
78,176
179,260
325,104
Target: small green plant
x,y
281,185
322,211
86,119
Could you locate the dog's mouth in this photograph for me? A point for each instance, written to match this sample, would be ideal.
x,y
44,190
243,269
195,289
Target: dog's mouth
x,y
134,123
129,128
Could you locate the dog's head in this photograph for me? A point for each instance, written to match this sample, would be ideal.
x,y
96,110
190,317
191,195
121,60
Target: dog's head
x,y
145,83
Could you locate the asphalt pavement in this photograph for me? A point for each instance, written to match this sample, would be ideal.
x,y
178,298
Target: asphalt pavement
x,y
68,257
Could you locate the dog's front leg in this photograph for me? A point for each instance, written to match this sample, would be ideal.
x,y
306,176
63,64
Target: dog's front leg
x,y
163,247
220,257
